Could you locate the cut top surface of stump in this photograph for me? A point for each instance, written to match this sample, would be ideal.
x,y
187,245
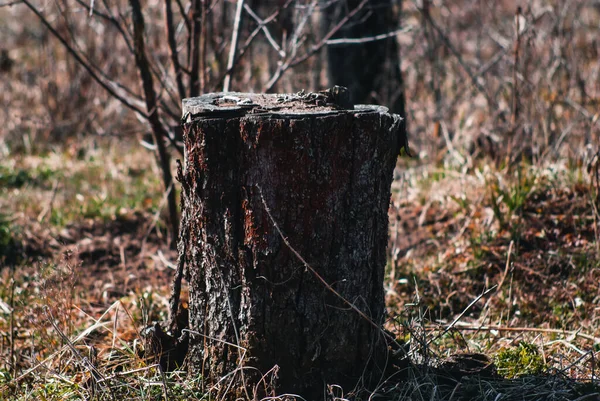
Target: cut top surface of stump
x,y
235,104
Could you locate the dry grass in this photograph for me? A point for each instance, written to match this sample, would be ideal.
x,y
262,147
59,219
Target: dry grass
x,y
501,200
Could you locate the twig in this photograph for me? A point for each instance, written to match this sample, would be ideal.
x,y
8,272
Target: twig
x,y
48,206
159,74
110,18
263,28
293,61
197,333
234,40
158,130
161,256
506,268
466,326
99,70
247,44
458,57
10,4
318,276
460,316
82,62
366,39
173,48
515,94
184,17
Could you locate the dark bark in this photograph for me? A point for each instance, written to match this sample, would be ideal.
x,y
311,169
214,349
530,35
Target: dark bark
x,y
174,53
324,178
197,23
158,129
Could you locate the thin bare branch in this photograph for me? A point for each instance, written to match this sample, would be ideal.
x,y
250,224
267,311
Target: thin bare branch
x,y
266,31
366,39
123,28
82,62
113,21
234,40
159,72
10,4
126,92
184,16
458,57
248,42
158,129
203,40
293,61
173,48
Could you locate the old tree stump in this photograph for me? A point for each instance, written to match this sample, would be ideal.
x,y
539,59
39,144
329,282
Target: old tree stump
x,y
283,234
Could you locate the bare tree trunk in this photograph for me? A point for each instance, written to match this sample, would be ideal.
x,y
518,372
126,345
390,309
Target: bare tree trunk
x,y
370,69
284,231
158,129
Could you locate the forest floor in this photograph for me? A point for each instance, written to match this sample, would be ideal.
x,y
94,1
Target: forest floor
x,y
492,260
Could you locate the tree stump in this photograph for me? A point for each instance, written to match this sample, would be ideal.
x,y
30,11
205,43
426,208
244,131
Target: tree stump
x,y
283,233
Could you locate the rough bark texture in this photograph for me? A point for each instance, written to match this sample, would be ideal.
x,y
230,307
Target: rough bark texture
x,y
325,175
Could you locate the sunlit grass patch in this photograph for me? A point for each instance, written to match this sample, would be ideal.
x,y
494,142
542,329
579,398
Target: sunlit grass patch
x,y
524,359
60,188
526,233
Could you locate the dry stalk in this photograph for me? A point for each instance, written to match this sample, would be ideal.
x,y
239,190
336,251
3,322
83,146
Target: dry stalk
x,y
507,266
515,93
85,362
460,316
11,328
471,327
474,79
87,66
